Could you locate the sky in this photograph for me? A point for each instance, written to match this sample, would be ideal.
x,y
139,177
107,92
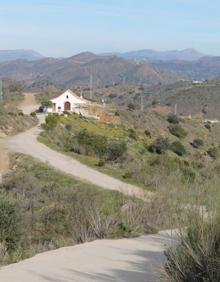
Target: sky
x,y
62,28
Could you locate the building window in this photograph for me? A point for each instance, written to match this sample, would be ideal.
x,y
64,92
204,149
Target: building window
x,y
67,97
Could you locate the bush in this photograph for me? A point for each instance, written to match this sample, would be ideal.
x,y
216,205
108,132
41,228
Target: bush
x,y
20,113
127,175
51,121
33,114
92,143
132,134
213,153
68,127
101,163
10,223
178,131
208,126
178,148
147,133
131,107
159,146
116,149
197,143
173,119
197,256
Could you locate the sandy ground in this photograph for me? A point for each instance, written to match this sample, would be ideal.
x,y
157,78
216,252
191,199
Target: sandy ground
x,y
126,260
29,104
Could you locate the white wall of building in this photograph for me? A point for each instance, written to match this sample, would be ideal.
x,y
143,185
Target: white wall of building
x,y
65,98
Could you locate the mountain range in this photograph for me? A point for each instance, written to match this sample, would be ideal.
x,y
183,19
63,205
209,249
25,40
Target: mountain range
x,y
109,69
76,70
11,55
149,55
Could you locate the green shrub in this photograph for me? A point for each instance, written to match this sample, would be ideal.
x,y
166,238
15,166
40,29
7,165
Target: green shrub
x,y
147,133
132,134
213,153
68,127
131,107
51,121
101,163
197,256
10,222
208,126
197,143
33,114
173,119
178,148
178,131
127,175
159,146
20,113
93,144
116,149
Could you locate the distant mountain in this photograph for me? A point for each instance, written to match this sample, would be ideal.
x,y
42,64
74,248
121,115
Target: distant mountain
x,y
205,68
149,55
11,55
76,70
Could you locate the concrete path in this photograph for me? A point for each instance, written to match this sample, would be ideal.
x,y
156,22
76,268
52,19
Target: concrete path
x,y
26,143
126,260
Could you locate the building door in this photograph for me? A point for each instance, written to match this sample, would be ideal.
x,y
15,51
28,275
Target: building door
x,y
67,106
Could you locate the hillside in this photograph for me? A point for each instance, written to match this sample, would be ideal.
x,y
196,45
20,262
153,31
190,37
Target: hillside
x,y
11,55
76,70
201,99
205,68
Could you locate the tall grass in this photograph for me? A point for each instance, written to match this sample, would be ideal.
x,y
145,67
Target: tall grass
x,y
197,255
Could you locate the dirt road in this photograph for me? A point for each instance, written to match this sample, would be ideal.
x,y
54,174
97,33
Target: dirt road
x,y
27,143
29,103
125,260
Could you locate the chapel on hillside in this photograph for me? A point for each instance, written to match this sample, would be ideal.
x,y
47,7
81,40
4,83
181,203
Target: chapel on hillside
x,y
67,102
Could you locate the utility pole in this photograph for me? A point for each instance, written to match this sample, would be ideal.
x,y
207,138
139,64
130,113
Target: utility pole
x,y
142,102
91,86
124,81
81,92
1,91
175,109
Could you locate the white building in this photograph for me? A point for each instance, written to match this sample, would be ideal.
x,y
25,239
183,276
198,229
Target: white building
x,y
68,101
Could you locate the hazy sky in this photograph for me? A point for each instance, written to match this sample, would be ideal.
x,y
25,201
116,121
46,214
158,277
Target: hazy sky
x,y
66,27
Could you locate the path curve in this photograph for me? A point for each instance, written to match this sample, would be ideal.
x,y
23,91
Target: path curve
x,y
27,143
125,260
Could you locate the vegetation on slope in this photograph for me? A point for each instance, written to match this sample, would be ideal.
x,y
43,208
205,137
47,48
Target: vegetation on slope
x,y
13,120
42,209
142,149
